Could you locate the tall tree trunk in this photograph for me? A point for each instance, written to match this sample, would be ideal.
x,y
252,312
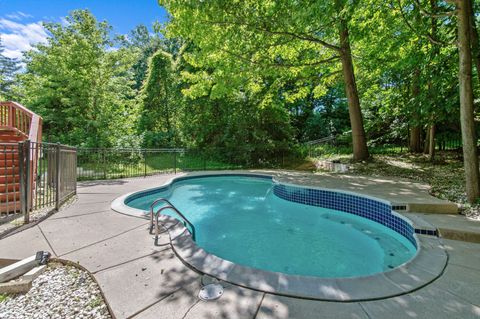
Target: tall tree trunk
x,y
426,142
359,141
415,130
470,157
431,143
415,145
431,93
475,42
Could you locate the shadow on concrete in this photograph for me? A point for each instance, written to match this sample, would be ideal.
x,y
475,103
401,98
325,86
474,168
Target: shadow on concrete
x,y
108,182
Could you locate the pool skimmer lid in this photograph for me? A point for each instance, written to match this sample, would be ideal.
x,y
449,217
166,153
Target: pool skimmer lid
x,y
210,292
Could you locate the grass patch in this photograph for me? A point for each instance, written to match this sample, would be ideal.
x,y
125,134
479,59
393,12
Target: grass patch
x,y
96,302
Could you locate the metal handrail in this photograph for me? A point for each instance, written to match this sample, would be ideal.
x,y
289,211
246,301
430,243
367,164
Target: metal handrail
x,y
170,206
151,210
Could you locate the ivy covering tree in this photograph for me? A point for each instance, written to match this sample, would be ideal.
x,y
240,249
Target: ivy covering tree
x,y
161,101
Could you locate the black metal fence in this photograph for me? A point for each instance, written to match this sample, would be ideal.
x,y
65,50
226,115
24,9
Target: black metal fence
x,y
341,145
120,163
35,176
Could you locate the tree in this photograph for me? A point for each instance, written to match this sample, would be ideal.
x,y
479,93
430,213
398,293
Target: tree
x,y
8,69
470,156
81,83
242,42
161,101
145,44
407,80
359,142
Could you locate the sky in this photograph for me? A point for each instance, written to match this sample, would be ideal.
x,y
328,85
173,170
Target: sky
x,y
21,20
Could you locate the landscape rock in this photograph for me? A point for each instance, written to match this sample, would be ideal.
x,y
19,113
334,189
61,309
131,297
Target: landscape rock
x,y
60,292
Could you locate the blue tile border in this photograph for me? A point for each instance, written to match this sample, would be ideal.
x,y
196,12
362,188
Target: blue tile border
x,y
375,210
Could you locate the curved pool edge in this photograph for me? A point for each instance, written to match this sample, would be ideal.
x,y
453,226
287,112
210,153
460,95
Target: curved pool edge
x,y
118,204
426,266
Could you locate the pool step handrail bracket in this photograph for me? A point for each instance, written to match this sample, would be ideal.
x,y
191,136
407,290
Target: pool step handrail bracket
x,y
157,214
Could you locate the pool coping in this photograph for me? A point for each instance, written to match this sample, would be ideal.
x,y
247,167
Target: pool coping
x,y
426,266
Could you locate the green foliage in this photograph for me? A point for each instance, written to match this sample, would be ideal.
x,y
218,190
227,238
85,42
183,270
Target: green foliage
x,y
329,117
161,100
145,44
81,83
245,132
252,68
244,80
239,45
406,80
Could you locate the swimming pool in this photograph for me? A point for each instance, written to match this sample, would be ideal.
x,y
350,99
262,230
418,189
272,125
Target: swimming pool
x,y
256,222
237,212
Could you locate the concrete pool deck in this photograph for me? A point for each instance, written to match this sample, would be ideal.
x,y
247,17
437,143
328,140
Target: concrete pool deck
x,y
143,281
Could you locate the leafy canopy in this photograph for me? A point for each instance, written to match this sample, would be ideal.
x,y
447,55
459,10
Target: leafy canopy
x,y
81,83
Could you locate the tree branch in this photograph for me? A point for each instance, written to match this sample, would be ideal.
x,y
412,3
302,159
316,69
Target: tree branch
x,y
300,36
428,36
285,65
426,13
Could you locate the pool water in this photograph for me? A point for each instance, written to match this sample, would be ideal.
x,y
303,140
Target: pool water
x,y
240,219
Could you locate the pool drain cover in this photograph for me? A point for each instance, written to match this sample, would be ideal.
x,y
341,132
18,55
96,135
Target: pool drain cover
x,y
211,292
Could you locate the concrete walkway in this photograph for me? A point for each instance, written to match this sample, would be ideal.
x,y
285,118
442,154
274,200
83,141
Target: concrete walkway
x,y
398,191
143,281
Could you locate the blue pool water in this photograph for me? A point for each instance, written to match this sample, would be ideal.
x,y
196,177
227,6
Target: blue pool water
x,y
240,219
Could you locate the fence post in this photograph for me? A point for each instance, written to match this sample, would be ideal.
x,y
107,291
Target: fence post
x,y
75,171
57,176
28,179
23,188
175,161
104,164
144,163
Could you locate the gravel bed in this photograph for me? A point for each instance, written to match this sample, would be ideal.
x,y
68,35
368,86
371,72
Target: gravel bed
x,y
60,292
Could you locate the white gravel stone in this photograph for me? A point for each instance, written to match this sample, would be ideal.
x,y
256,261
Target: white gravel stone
x,y
61,292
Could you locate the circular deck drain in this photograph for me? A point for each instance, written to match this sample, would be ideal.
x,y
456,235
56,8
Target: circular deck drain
x,y
211,292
